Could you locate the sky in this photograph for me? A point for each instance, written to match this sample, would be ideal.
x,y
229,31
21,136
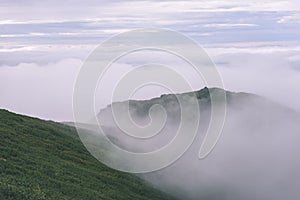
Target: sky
x,y
254,44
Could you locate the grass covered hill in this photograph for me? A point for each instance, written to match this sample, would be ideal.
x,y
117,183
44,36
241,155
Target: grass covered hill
x,y
46,160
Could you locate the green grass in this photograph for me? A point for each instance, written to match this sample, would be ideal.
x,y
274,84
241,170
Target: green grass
x,y
46,160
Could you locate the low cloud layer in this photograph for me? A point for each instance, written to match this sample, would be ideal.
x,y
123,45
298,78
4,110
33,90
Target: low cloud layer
x,y
43,89
256,157
275,75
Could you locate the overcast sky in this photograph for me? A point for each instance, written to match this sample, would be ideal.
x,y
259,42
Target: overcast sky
x,y
255,45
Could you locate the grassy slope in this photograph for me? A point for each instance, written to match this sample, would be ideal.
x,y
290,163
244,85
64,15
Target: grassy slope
x,y
46,160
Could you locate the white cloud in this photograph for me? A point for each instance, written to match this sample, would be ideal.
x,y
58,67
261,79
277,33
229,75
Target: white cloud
x,y
294,18
228,25
32,38
13,55
97,32
130,10
42,91
45,90
273,74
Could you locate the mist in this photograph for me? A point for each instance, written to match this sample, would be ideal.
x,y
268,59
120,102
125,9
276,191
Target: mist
x,y
256,157
45,89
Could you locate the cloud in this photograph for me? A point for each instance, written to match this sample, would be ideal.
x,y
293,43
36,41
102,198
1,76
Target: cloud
x,y
273,74
290,19
226,28
255,45
44,91
268,71
255,158
16,55
228,25
87,22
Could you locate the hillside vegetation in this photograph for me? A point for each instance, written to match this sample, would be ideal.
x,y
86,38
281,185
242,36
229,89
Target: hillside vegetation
x,y
46,160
